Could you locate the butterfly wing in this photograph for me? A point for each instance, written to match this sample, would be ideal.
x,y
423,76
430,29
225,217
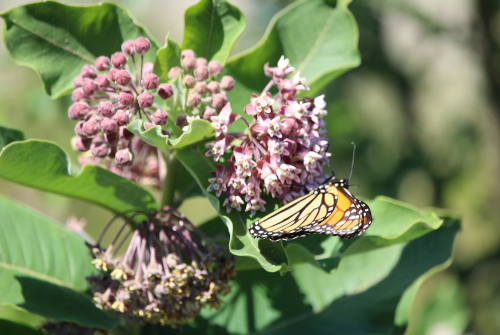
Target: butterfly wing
x,y
350,218
292,220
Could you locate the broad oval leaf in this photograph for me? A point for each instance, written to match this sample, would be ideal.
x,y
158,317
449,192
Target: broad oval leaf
x,y
320,41
211,28
167,57
35,249
8,135
56,40
45,166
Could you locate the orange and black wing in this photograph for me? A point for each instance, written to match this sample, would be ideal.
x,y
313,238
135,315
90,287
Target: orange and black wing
x,y
350,218
294,219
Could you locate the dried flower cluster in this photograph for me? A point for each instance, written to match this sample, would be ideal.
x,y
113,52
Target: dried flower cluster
x,y
285,144
168,273
205,96
107,96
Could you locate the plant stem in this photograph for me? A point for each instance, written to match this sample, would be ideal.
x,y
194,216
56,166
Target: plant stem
x,y
170,181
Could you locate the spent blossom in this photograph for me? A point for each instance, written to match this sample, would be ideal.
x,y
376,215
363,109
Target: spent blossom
x,y
283,149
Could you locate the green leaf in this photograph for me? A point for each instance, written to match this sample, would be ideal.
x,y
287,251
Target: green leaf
x,y
43,267
360,298
43,165
167,57
56,40
61,304
9,327
270,255
319,40
211,28
199,130
8,135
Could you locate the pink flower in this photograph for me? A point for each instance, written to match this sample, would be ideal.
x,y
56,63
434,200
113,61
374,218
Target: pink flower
x,y
218,148
312,162
277,148
233,201
243,160
218,183
252,189
254,205
224,119
274,127
236,184
262,104
287,174
273,185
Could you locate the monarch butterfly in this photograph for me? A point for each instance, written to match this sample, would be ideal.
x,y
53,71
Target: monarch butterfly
x,y
328,209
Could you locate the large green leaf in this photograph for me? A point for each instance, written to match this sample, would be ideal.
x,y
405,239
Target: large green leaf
x,y
211,28
362,297
35,250
56,40
8,135
271,256
319,39
43,165
167,57
9,327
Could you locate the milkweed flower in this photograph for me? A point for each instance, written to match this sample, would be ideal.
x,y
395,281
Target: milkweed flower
x,y
285,144
169,272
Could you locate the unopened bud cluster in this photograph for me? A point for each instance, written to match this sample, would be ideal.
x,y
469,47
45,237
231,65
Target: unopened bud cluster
x,y
206,95
285,145
168,273
110,94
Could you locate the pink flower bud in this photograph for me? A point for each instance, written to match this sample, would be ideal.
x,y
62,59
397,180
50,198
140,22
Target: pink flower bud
x,y
102,81
188,53
160,117
181,121
219,100
165,91
125,133
215,68
112,138
227,83
174,72
201,73
78,82
125,99
201,61
291,145
112,73
79,129
150,81
142,45
99,149
148,125
189,81
213,87
201,88
102,63
105,109
290,127
118,60
89,87
78,110
121,118
90,128
208,113
122,77
88,71
81,144
193,99
128,47
78,95
188,63
148,67
109,126
145,99
123,157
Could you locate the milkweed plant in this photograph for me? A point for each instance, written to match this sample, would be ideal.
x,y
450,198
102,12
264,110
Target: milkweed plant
x,y
156,124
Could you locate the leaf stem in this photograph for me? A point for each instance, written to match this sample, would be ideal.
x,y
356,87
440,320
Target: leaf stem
x,y
170,181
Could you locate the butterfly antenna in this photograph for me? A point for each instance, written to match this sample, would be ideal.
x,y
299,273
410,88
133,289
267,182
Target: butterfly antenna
x,y
352,165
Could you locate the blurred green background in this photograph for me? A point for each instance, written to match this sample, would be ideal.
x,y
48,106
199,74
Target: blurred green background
x,y
423,108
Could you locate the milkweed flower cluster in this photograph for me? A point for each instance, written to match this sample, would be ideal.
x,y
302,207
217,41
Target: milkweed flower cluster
x,y
168,273
107,96
285,144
